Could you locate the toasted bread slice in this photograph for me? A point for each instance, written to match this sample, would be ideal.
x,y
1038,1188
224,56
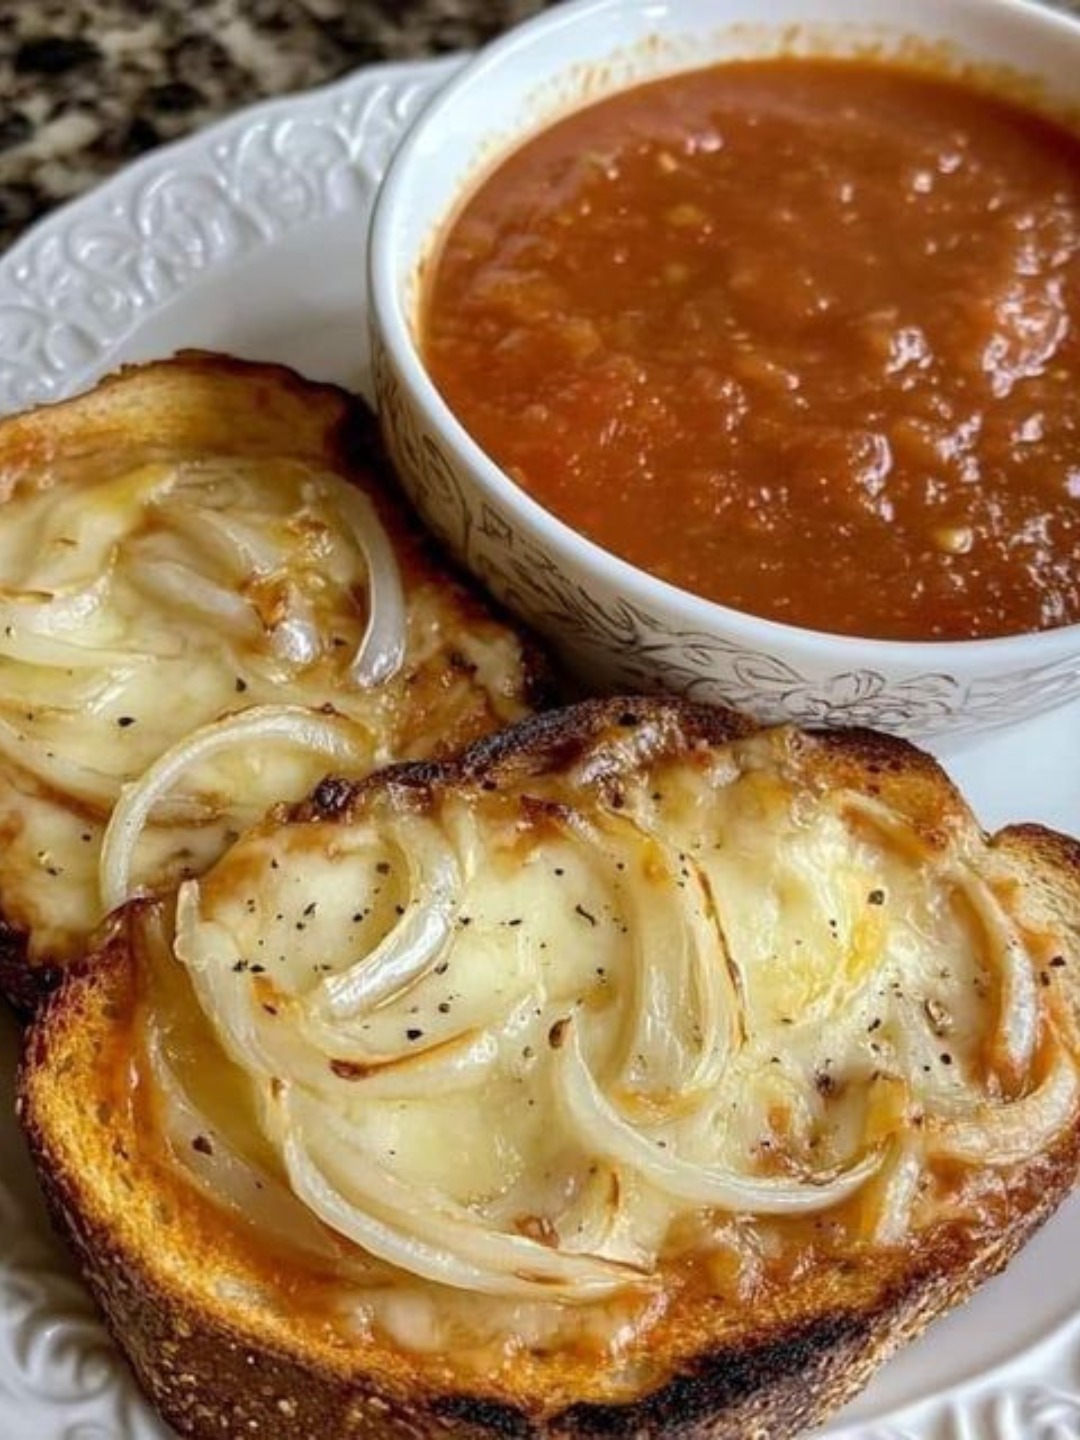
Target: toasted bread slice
x,y
635,1074
192,539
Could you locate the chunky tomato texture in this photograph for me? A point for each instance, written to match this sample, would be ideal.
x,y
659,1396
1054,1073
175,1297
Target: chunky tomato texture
x,y
797,335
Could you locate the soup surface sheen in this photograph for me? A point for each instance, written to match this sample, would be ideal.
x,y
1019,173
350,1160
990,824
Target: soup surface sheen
x,y
797,335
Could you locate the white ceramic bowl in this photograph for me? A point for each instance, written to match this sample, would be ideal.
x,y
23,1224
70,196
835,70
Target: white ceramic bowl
x,y
615,624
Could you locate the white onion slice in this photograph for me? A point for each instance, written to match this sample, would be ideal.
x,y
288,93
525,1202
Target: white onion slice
x,y
91,788
328,1063
52,614
298,726
200,1149
691,990
174,584
604,1131
1018,1024
295,639
898,1191
428,1235
459,1063
590,1223
415,943
1011,1133
239,546
209,954
382,648
66,654
690,983
48,689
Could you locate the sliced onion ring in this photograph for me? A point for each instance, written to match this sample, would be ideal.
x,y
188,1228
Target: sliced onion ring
x,y
422,1232
382,648
179,586
689,980
52,614
897,1191
1013,1046
238,545
90,788
201,1150
327,1063
299,726
604,1131
1012,1133
209,954
53,689
31,649
414,945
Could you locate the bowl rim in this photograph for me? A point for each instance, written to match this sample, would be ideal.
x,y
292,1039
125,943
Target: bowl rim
x,y
388,273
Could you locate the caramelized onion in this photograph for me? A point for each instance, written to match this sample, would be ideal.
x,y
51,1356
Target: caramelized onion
x,y
605,1132
897,1190
1011,1133
90,788
414,945
238,546
1018,1025
421,1231
221,1172
181,587
382,649
52,614
292,723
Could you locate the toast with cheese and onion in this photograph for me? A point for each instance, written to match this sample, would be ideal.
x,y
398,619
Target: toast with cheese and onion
x,y
637,1073
210,595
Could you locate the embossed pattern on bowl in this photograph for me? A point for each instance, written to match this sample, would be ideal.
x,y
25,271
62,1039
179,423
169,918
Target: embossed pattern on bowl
x,y
613,623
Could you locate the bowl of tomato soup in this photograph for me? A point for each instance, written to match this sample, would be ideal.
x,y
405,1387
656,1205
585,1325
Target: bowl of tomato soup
x,y
743,359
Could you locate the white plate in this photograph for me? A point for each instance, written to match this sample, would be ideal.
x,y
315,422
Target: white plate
x,y
250,238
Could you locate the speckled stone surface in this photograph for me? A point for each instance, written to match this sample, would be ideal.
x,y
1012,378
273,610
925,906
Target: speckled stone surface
x,y
86,85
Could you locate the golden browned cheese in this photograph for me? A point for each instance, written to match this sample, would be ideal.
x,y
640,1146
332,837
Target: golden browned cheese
x,y
192,540
636,1070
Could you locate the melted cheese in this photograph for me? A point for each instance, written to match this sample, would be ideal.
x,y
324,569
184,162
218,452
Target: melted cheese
x,y
139,603
766,1002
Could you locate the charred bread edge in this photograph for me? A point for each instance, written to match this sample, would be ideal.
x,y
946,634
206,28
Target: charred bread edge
x,y
211,1379
554,737
355,444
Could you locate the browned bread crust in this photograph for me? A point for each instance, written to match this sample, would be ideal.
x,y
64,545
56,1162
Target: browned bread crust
x,y
158,1257
207,404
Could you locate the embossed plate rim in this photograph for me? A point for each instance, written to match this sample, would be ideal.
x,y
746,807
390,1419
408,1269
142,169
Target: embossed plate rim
x,y
59,1377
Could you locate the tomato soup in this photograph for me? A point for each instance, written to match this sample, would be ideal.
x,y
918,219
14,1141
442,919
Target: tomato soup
x,y
800,336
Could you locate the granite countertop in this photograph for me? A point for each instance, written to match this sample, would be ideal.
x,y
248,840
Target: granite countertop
x,y
89,84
